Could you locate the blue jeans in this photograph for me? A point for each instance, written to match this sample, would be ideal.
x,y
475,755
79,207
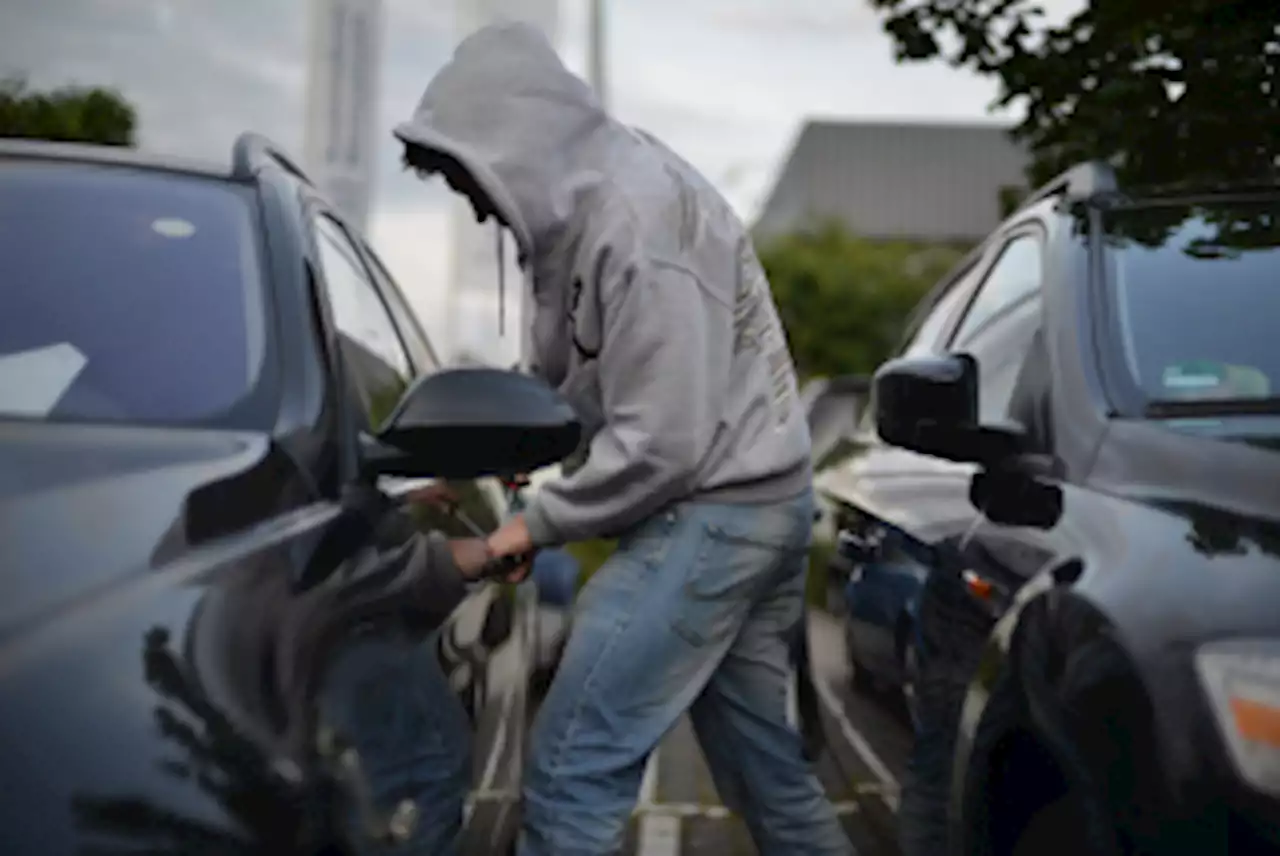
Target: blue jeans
x,y
389,698
694,612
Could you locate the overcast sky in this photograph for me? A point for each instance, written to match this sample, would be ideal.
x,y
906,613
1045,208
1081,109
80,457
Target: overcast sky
x,y
727,83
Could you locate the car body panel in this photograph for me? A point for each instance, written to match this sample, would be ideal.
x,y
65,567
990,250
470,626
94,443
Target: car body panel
x,y
1134,591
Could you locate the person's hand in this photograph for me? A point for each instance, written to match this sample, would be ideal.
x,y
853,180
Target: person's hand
x,y
512,539
470,555
438,493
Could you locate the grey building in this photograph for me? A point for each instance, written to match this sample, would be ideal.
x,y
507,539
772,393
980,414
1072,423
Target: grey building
x,y
931,182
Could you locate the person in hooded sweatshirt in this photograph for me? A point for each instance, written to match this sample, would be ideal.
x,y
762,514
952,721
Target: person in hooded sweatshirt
x,y
654,318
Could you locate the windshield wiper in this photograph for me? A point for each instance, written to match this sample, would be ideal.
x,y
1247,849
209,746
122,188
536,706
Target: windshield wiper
x,y
1269,406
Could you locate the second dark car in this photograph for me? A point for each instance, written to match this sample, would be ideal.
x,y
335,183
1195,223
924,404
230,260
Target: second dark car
x,y
1081,439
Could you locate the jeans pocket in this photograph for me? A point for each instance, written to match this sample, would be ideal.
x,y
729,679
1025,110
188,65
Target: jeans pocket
x,y
737,560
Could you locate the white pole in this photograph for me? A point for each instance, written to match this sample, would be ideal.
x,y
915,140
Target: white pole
x,y
598,47
342,91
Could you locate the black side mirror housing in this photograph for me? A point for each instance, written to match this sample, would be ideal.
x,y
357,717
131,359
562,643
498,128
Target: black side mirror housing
x,y
1011,497
471,422
930,405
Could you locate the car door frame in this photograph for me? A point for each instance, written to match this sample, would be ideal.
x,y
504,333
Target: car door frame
x,y
471,651
983,559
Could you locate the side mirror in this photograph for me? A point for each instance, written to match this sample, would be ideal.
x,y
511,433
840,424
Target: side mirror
x,y
930,405
1013,498
472,422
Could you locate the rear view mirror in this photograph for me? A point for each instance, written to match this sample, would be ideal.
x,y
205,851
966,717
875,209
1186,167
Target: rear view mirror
x,y
473,422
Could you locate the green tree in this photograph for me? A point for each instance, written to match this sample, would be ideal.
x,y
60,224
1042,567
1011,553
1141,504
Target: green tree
x,y
1184,92
69,114
844,299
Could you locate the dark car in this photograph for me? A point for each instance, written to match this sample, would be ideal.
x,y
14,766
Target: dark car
x,y
214,634
1081,438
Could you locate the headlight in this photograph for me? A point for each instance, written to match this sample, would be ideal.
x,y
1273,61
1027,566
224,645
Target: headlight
x,y
1242,677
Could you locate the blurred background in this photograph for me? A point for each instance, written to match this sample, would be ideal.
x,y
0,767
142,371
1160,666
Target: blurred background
x,y
797,109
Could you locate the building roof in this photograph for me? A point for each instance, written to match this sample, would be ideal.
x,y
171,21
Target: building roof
x,y
910,180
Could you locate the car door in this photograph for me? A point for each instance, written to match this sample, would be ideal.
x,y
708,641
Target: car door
x,y
484,647
894,506
975,575
965,589
428,696
487,619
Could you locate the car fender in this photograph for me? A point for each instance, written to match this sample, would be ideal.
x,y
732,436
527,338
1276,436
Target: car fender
x,y
1057,671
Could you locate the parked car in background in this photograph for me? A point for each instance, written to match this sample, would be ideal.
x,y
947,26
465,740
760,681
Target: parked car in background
x,y
213,402
882,584
1080,442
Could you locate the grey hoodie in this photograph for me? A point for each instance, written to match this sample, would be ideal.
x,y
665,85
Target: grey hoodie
x,y
653,315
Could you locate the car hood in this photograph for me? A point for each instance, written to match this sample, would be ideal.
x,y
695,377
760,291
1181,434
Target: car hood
x,y
83,508
1222,480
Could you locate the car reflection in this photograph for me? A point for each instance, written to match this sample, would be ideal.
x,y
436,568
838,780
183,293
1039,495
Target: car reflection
x,y
325,694
215,755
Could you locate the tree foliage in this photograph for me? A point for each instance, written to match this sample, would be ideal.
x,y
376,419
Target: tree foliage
x,y
1175,93
70,114
844,300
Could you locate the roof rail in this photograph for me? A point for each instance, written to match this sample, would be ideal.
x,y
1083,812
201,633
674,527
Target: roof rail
x,y
250,152
1079,182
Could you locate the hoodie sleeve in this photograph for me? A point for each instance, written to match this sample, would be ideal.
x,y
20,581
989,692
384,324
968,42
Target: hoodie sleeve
x,y
438,584
664,363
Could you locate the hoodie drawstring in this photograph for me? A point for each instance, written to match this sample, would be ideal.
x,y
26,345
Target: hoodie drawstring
x,y
502,281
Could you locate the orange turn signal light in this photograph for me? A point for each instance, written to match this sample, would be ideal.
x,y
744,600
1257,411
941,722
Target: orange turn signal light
x,y
977,586
1256,721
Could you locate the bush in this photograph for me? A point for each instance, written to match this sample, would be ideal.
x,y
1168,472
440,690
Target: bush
x,y
69,115
591,555
844,300
815,589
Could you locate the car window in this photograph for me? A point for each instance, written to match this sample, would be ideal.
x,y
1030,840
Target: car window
x,y
1196,298
415,338
1001,349
1016,274
374,359
928,338
128,296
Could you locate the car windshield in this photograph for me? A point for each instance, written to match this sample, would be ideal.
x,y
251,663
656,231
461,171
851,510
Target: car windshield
x,y
1197,294
129,295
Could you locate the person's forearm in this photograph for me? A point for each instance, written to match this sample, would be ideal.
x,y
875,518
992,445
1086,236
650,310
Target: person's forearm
x,y
438,583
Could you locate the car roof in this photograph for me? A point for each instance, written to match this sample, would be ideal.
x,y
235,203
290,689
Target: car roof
x,y
110,156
